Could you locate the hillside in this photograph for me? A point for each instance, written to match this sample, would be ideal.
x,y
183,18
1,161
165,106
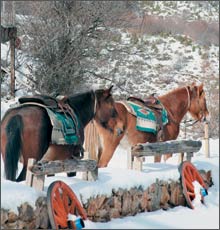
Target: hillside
x,y
151,55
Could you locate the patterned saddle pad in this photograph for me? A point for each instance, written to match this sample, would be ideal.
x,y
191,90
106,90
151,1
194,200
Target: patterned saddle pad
x,y
146,118
64,128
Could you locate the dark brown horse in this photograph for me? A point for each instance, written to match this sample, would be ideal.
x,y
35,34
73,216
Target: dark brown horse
x,y
177,103
26,130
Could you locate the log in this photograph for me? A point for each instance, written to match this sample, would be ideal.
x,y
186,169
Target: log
x,y
52,167
150,149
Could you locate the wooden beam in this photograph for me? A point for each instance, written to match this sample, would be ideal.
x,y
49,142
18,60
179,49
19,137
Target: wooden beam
x,y
206,140
36,181
89,175
150,149
8,33
12,50
52,167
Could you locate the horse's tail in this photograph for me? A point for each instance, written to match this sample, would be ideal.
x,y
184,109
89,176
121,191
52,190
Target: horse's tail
x,y
92,142
14,130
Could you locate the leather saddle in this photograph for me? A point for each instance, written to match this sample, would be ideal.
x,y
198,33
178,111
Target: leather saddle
x,y
48,101
151,102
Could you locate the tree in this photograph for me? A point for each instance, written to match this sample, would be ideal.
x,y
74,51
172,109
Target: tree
x,y
66,40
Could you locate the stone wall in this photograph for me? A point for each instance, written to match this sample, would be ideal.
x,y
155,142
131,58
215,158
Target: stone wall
x,y
102,208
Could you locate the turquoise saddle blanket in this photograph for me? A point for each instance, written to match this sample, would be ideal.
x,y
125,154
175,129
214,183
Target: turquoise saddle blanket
x,y
64,130
146,118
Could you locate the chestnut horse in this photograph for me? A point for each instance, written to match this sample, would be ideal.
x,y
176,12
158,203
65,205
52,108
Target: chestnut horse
x,y
177,103
26,130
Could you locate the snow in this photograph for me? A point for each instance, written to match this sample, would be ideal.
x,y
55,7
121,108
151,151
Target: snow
x,y
158,56
13,194
116,176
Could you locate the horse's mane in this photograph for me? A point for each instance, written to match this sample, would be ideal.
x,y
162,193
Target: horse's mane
x,y
82,104
170,94
80,97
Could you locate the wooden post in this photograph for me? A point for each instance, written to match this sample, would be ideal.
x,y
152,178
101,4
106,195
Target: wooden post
x,y
160,148
181,155
137,163
8,12
89,175
12,48
189,156
129,159
36,181
8,19
206,140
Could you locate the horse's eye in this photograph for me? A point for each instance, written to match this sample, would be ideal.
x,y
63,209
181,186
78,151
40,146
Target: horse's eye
x,y
201,93
114,113
104,124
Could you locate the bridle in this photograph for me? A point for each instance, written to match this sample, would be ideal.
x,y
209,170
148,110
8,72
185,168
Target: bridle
x,y
188,106
95,103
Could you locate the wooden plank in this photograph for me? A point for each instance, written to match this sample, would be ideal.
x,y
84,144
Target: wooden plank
x,y
137,163
8,33
150,149
89,175
206,140
189,156
29,174
35,181
52,167
129,159
12,48
92,175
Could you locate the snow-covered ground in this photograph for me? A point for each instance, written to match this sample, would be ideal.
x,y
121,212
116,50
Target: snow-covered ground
x,y
117,176
166,62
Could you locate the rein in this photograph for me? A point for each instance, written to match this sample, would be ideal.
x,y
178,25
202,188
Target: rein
x,y
187,121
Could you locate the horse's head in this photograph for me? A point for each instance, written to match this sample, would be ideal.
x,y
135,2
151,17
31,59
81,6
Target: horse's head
x,y
198,108
105,112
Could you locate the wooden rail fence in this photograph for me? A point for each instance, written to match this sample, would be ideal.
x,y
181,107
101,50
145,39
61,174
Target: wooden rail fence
x,y
135,156
36,171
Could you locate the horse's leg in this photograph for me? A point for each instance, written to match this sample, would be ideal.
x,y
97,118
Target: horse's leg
x,y
57,152
167,156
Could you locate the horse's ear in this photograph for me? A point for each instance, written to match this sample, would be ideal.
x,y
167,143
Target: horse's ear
x,y
193,89
192,86
108,91
200,88
110,88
